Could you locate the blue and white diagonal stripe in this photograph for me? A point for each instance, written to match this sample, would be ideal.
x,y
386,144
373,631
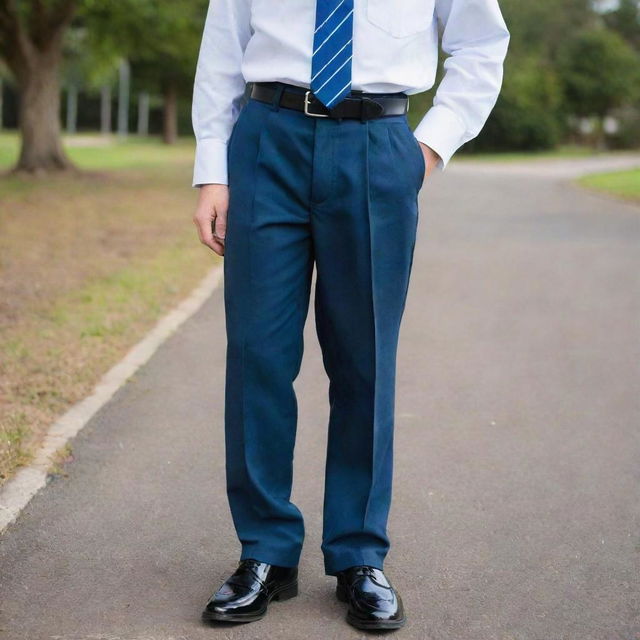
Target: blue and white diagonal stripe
x,y
332,51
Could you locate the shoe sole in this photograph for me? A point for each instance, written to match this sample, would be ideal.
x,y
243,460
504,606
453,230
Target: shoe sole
x,y
282,593
368,625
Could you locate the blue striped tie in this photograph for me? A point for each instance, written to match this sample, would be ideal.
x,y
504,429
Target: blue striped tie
x,y
332,51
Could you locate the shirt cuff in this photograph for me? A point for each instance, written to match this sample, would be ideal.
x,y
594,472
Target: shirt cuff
x,y
210,164
443,131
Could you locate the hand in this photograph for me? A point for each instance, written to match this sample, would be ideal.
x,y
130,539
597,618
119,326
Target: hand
x,y
431,158
211,215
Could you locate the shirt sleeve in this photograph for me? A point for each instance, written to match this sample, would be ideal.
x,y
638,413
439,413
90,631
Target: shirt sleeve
x,y
475,37
218,86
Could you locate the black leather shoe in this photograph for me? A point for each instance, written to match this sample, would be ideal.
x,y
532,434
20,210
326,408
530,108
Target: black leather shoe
x,y
373,602
245,595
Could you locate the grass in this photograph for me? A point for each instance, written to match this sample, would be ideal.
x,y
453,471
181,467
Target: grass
x,y
623,184
88,263
568,151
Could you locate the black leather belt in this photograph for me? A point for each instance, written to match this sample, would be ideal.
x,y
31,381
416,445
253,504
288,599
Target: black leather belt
x,y
358,104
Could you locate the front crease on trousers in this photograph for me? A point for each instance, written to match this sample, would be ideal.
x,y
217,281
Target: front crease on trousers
x,y
340,196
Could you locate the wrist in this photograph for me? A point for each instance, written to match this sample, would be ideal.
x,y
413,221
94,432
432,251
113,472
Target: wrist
x,y
431,157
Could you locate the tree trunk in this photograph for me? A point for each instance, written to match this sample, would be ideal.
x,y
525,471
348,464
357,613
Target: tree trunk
x,y
105,110
170,114
143,114
124,91
39,113
72,109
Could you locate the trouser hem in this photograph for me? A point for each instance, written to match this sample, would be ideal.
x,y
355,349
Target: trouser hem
x,y
271,556
334,563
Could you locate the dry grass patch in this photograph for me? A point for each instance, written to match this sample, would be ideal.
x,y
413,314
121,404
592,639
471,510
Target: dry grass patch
x,y
87,266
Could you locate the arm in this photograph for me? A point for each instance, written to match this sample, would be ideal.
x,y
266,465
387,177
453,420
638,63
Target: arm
x,y
217,95
476,38
219,86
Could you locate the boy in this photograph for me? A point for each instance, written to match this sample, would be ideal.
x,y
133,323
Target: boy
x,y
319,167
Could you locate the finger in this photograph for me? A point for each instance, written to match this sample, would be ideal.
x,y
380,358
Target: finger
x,y
205,234
204,218
210,240
217,237
195,221
219,225
204,229
218,247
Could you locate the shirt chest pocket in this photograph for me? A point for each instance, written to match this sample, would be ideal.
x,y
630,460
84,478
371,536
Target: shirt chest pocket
x,y
400,18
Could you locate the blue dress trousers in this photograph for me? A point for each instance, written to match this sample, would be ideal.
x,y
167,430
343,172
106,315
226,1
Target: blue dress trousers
x,y
342,194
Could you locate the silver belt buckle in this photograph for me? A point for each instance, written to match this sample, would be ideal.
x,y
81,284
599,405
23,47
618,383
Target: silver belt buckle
x,y
306,108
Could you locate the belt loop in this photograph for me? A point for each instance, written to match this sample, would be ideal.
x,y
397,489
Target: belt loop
x,y
363,109
277,96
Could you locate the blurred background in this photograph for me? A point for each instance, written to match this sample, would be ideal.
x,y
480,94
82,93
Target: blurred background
x,y
96,150
516,513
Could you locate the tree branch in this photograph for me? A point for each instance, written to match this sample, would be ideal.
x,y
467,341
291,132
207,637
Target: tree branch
x,y
37,21
15,45
48,21
8,16
60,18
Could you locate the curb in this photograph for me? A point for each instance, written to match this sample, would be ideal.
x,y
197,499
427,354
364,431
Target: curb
x,y
18,491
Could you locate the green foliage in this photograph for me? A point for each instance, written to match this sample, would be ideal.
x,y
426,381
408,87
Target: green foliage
x,y
161,38
528,114
599,70
564,60
87,65
628,134
540,27
625,20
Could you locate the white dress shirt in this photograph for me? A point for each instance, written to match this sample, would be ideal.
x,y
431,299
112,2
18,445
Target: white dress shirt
x,y
395,48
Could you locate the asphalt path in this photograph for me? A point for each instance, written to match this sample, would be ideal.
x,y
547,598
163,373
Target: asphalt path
x,y
516,509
